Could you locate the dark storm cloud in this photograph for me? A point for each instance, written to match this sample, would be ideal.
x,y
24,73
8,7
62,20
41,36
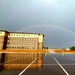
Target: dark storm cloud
x,y
25,13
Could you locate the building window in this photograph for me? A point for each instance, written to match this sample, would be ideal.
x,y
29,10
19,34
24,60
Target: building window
x,y
18,47
12,47
23,47
16,34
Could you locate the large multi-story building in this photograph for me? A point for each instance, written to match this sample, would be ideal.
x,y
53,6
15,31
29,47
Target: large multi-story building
x,y
20,41
24,41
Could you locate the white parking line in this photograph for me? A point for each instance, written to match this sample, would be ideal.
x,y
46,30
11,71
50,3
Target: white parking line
x,y
27,66
61,66
71,58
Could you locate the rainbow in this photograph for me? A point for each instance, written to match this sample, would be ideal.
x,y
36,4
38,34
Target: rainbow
x,y
47,25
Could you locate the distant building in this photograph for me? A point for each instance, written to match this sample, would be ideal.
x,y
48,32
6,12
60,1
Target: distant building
x,y
20,41
67,49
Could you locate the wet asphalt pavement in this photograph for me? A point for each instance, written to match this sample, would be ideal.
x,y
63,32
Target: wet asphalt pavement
x,y
53,64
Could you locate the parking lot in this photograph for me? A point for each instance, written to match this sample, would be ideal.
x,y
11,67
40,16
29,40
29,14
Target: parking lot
x,y
54,64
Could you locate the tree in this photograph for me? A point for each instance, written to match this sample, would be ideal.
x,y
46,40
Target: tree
x,y
46,48
72,48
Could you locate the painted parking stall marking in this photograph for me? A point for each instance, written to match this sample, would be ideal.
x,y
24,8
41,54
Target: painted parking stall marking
x,y
61,66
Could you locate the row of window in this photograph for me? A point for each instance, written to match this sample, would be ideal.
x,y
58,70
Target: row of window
x,y
26,39
22,34
21,47
22,43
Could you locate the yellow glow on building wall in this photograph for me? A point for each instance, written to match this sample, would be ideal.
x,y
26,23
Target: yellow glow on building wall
x,y
40,38
2,33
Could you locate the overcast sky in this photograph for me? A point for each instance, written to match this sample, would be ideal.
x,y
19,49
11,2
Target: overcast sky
x,y
53,18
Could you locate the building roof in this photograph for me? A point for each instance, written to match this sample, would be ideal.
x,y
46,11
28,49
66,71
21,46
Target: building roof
x,y
26,33
21,32
3,30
